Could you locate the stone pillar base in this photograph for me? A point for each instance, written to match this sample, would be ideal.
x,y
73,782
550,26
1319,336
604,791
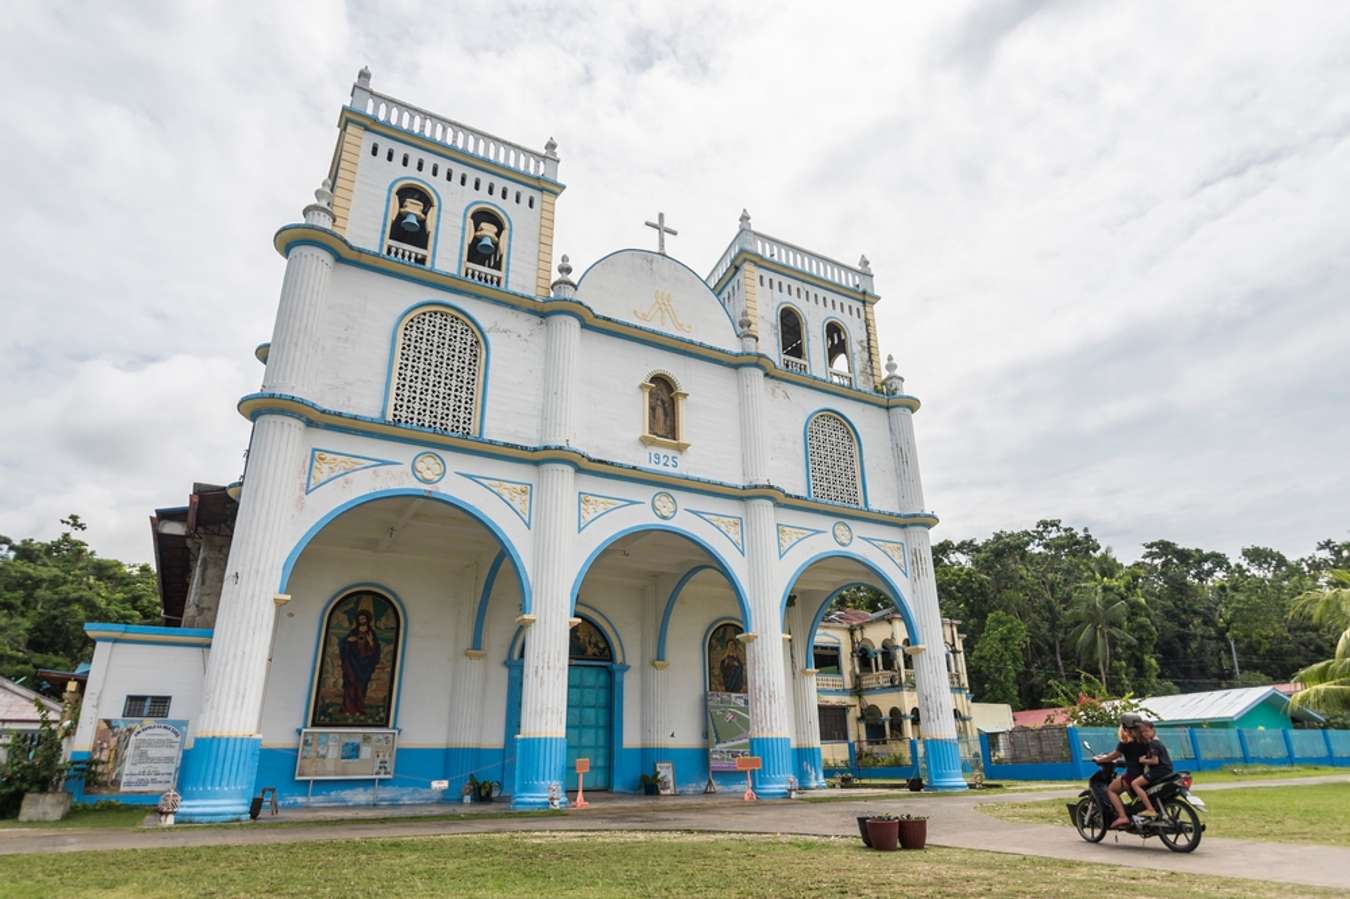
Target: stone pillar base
x,y
776,754
944,764
539,765
217,779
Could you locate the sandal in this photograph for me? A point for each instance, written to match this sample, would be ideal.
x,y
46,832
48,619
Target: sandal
x,y
1118,824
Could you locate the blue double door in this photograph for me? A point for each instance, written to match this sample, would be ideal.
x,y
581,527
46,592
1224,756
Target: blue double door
x,y
590,717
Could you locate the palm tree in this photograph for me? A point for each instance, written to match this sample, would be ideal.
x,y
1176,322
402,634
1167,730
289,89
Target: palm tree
x,y
1326,684
1097,617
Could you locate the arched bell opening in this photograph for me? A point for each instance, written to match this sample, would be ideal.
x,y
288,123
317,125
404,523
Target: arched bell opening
x,y
485,247
411,223
792,339
837,356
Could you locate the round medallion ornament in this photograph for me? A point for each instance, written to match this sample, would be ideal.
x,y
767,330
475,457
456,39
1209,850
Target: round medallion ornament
x,y
843,534
664,505
428,468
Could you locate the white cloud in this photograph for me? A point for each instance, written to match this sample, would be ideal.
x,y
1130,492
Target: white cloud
x,y
1111,239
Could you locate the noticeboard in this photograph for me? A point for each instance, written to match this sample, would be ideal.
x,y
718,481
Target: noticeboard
x,y
135,755
346,754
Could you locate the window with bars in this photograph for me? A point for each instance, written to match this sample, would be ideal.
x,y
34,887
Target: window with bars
x,y
833,723
146,707
832,460
437,373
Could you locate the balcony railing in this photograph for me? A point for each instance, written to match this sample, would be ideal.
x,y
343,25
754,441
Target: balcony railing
x,y
841,377
405,253
872,679
792,363
829,682
954,679
482,274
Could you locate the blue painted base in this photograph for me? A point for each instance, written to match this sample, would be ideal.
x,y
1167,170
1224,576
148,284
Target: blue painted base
x,y
771,780
539,765
810,767
216,779
944,764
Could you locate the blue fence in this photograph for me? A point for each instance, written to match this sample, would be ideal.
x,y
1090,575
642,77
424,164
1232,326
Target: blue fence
x,y
1065,753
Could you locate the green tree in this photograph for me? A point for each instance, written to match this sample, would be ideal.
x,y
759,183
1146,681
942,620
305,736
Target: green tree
x,y
48,590
1326,684
1097,618
997,662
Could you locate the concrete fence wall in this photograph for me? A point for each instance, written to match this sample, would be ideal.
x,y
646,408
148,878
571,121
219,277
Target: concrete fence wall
x,y
1065,753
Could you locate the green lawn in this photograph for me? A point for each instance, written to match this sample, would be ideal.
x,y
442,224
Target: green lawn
x,y
554,865
1311,813
108,816
1264,772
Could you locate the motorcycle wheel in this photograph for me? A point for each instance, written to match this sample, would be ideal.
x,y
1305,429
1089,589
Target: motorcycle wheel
x,y
1182,826
1088,820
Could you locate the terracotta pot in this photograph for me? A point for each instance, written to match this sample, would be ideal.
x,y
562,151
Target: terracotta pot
x,y
913,834
883,835
862,829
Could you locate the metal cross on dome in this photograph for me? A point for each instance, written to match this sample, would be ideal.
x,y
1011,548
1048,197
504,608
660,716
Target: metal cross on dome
x,y
661,232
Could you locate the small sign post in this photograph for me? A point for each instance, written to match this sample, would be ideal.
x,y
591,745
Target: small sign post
x,y
748,763
583,765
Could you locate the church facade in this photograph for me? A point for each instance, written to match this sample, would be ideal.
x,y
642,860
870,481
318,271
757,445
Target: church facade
x,y
494,519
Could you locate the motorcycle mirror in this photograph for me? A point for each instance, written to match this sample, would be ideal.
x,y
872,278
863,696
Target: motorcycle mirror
x,y
1087,746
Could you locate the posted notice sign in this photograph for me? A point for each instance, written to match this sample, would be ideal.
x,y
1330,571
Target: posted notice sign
x,y
748,763
136,755
583,766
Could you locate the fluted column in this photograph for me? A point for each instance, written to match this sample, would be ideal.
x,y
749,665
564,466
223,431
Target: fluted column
x,y
770,730
810,764
467,667
220,769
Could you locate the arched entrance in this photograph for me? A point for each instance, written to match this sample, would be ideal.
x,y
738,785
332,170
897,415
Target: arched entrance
x,y
590,702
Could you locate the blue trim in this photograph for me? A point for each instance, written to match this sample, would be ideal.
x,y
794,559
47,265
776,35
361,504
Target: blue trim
x,y
721,563
464,236
776,755
784,550
526,598
216,779
623,504
857,444
539,763
810,767
896,595
735,332
399,321
670,607
879,544
708,516
384,225
327,609
145,630
703,649
480,615
374,463
944,764
480,480
806,342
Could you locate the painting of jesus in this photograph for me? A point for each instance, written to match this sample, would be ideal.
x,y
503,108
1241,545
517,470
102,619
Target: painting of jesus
x,y
357,663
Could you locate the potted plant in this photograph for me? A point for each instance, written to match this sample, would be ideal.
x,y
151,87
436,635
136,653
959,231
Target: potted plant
x,y
862,830
470,790
913,831
488,790
651,783
883,832
39,773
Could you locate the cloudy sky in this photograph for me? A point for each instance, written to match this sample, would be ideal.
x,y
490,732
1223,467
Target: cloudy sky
x,y
1111,239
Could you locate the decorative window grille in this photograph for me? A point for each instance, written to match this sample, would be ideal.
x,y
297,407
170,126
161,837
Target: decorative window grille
x,y
436,375
832,460
146,707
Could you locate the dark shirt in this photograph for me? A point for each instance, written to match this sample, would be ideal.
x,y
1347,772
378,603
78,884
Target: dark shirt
x,y
1163,766
1131,753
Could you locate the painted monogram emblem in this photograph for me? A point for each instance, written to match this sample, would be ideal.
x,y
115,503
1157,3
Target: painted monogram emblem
x,y
662,312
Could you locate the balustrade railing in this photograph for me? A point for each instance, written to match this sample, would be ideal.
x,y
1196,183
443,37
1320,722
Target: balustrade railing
x,y
873,679
829,682
954,679
811,263
404,253
482,274
792,363
841,377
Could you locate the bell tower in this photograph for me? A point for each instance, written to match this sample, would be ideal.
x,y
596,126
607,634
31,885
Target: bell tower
x,y
421,189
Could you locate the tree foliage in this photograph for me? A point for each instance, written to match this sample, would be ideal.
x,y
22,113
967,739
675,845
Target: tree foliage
x,y
1327,683
998,658
48,590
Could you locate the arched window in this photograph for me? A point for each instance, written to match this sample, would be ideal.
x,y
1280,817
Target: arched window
x,y
412,222
485,248
874,726
358,663
832,460
836,354
887,655
438,373
663,413
792,340
726,660
897,724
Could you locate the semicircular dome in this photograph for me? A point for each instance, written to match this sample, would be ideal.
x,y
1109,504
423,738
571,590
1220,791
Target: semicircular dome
x,y
658,293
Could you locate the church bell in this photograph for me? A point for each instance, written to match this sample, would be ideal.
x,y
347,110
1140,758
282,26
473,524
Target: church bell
x,y
485,238
411,215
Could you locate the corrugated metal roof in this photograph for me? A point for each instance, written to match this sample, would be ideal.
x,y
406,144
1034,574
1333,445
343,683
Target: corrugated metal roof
x,y
1212,705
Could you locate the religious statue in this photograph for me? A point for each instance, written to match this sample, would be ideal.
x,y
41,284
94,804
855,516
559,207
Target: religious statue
x,y
733,674
360,654
661,409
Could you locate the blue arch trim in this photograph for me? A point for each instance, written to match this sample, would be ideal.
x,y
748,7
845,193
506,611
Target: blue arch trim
x,y
721,563
464,236
373,587
670,606
896,596
703,647
440,208
857,443
526,598
585,610
480,614
408,313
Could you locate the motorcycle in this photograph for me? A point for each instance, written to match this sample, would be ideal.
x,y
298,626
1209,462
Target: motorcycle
x,y
1178,824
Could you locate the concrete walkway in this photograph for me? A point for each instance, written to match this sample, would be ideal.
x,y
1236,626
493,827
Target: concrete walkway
x,y
954,821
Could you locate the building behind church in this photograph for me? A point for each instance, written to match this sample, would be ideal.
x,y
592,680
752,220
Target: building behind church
x,y
495,520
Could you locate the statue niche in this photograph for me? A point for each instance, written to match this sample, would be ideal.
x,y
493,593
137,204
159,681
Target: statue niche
x,y
661,409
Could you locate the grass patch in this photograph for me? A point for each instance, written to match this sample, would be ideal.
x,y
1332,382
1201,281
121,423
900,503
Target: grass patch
x,y
1312,813
119,816
1264,772
594,865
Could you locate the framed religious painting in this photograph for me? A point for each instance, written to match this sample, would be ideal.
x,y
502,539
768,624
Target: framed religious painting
x,y
359,650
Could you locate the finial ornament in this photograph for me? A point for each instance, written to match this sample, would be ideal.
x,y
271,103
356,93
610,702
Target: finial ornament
x,y
551,148
363,77
890,366
745,322
324,195
864,264
565,267
745,220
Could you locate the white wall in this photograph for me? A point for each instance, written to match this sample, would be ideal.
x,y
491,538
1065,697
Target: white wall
x,y
122,669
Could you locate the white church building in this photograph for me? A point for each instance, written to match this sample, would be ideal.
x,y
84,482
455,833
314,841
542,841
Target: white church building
x,y
494,520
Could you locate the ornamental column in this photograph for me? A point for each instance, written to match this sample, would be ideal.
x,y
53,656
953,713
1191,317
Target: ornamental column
x,y
936,710
770,730
541,745
219,771
810,763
